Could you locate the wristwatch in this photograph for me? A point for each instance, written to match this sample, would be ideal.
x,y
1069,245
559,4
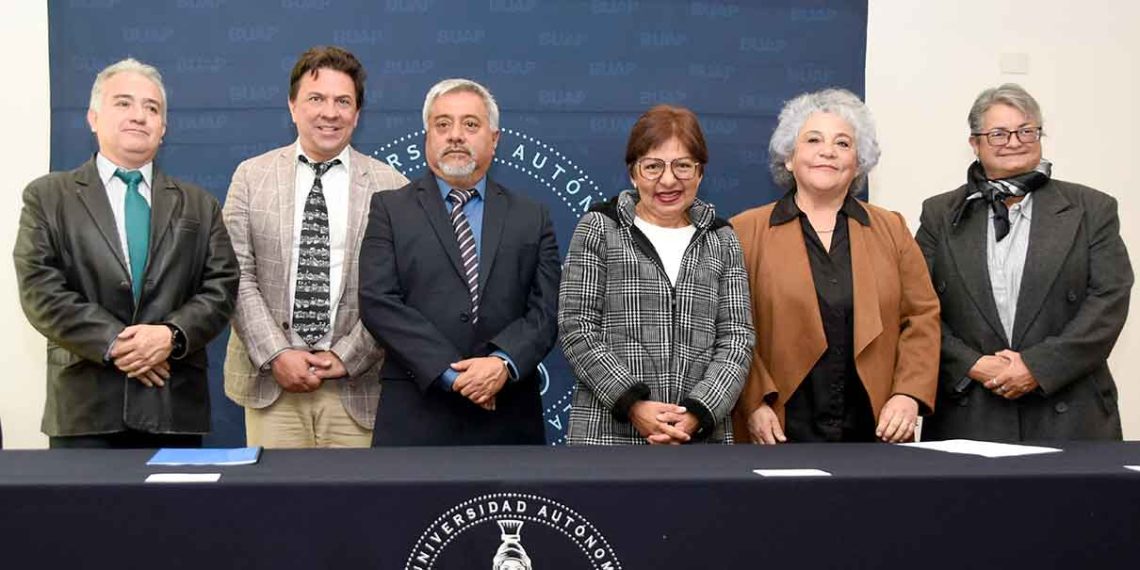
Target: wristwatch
x,y
177,341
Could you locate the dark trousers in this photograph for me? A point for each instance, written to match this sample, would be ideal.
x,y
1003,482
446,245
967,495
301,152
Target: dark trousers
x,y
129,439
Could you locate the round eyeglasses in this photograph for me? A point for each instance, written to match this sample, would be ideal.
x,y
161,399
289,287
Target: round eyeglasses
x,y
1000,137
653,168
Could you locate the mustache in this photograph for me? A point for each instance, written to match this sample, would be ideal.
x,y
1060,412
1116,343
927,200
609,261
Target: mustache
x,y
457,148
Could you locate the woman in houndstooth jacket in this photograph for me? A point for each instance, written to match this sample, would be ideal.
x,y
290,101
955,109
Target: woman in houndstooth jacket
x,y
654,309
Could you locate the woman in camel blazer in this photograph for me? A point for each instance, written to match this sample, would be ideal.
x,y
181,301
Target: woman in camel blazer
x,y
847,324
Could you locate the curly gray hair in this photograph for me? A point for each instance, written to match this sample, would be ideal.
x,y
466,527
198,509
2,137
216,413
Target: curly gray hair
x,y
796,112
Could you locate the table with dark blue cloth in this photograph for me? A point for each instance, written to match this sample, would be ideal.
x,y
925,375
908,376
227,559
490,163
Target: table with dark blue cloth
x,y
631,507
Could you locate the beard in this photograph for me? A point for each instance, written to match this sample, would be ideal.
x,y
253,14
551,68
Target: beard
x,y
458,170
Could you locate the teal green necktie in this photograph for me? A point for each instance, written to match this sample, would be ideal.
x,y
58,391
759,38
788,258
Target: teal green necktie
x,y
137,217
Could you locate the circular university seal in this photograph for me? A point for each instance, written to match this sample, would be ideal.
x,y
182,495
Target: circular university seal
x,y
544,164
514,531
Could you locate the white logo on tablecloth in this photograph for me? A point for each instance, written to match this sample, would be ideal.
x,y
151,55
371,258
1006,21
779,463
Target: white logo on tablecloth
x,y
511,511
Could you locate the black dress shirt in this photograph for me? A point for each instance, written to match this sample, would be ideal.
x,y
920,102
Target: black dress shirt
x,y
831,403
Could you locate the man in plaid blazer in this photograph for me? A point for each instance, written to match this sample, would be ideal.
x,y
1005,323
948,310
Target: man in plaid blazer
x,y
306,382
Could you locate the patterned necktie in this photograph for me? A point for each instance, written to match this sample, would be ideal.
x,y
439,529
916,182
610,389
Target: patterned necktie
x,y
457,198
311,305
137,221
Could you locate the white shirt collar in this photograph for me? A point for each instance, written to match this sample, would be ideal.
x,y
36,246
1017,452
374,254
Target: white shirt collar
x,y
107,170
344,156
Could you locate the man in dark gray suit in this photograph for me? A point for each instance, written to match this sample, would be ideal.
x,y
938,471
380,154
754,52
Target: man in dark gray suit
x,y
459,281
128,273
1034,281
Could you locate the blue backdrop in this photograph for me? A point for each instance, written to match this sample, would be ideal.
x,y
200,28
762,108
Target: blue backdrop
x,y
570,78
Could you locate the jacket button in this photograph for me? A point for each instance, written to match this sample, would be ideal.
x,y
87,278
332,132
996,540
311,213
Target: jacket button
x,y
463,317
1061,407
941,286
285,325
963,402
409,373
124,284
1072,296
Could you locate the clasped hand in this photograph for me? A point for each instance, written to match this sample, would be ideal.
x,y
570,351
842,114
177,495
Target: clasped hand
x,y
142,352
480,379
303,371
1005,374
662,423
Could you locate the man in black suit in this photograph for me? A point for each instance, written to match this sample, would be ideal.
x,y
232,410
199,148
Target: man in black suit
x,y
128,273
459,281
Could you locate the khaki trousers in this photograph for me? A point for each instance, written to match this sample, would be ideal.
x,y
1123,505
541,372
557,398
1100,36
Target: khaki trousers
x,y
310,419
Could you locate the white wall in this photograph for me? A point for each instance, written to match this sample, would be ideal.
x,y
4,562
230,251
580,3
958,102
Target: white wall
x,y
25,146
926,61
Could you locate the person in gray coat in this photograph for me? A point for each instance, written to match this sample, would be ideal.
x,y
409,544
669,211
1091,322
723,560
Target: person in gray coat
x,y
128,273
654,314
1034,282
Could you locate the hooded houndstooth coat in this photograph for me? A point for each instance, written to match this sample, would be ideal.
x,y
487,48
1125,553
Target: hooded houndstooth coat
x,y
629,334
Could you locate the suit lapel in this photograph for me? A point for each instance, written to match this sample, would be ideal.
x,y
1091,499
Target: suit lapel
x,y
163,200
967,244
285,184
93,195
1051,231
427,192
495,205
868,317
359,194
797,315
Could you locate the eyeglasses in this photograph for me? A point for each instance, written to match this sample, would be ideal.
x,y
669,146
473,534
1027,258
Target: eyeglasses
x,y
653,168
1000,137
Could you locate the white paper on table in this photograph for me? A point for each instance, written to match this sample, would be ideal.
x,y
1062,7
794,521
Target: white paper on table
x,y
183,477
1132,467
982,448
791,473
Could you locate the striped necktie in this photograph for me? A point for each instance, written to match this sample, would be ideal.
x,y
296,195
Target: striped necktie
x,y
457,198
311,301
136,214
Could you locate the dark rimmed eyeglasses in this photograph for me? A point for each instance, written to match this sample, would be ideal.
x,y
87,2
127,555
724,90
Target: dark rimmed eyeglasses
x,y
1000,137
653,168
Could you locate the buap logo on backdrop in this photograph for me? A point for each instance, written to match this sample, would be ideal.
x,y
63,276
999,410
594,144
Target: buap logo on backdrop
x,y
492,526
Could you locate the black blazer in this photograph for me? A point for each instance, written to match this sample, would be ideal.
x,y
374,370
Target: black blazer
x,y
75,289
414,301
1071,309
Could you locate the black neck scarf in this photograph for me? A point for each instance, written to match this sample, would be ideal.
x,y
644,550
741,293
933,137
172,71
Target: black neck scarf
x,y
995,191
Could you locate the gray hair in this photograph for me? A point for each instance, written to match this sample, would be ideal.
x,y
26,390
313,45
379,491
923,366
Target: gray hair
x,y
458,85
128,65
1010,94
796,112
